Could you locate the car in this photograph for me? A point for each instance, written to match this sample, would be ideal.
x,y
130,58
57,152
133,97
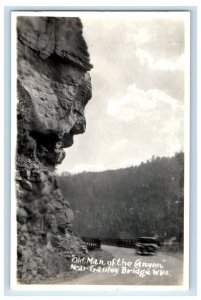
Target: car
x,y
147,245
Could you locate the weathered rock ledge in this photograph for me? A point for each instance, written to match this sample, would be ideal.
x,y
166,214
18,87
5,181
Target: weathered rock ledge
x,y
53,88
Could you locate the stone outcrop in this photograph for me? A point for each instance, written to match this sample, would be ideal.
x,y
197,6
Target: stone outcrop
x,y
53,86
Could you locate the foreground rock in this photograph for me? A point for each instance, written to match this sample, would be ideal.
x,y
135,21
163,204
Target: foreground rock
x,y
53,88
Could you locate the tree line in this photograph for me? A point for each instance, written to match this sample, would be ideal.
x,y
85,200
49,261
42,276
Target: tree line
x,y
145,200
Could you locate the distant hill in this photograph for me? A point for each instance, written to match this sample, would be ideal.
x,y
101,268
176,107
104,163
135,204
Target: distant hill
x,y
128,203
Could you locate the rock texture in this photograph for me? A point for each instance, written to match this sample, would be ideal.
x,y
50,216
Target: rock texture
x,y
53,88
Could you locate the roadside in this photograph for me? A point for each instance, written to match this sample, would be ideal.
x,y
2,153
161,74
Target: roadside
x,y
127,268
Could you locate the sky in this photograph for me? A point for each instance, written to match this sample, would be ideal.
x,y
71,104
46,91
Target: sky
x,y
137,105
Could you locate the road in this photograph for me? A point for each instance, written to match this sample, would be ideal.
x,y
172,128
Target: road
x,y
160,269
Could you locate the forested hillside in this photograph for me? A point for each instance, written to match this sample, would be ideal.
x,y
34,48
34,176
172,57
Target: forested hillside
x,y
146,200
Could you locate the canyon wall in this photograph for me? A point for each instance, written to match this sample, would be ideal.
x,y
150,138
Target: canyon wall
x,y
53,88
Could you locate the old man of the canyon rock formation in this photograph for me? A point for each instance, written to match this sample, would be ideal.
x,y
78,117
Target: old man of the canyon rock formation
x,y
53,87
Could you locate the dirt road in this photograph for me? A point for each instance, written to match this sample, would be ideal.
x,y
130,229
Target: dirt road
x,y
128,268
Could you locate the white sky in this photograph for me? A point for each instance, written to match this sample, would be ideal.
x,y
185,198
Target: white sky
x,y
138,91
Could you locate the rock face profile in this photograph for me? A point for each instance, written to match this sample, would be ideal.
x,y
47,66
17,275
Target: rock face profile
x,y
53,87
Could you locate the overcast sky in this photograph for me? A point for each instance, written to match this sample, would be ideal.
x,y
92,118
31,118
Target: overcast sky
x,y
138,92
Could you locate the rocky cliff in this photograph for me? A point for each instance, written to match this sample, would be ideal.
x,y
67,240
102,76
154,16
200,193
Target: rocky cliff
x,y
53,87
